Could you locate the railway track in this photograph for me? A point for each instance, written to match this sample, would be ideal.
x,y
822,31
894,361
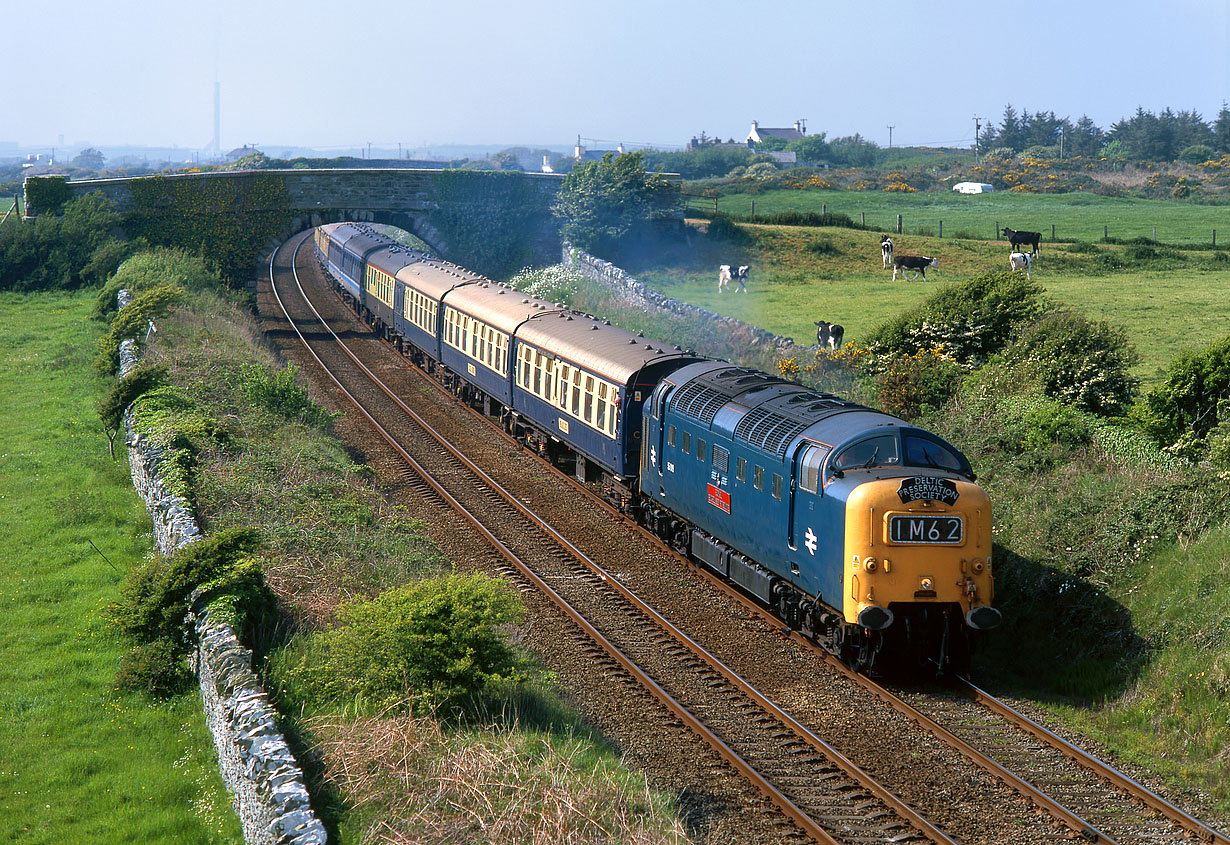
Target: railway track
x,y
1074,789
822,792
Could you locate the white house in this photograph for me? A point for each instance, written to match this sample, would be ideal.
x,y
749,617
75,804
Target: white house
x,y
973,188
759,133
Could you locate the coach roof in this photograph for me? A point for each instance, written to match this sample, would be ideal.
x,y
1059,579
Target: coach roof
x,y
497,305
609,351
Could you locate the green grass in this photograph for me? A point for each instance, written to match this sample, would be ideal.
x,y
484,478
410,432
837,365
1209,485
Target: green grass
x,y
1075,216
79,761
1174,719
1167,304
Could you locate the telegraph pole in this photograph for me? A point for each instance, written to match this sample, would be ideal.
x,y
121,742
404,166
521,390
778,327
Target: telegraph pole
x,y
890,136
977,132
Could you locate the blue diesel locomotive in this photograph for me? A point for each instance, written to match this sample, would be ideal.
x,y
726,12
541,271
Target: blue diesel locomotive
x,y
859,529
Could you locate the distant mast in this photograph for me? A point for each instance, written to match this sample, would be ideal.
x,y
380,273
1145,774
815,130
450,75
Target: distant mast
x,y
216,144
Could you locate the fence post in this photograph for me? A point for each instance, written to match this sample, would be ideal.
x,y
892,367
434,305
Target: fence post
x,y
1105,232
1214,237
1052,233
941,228
1155,234
898,224
1214,231
995,237
753,208
824,208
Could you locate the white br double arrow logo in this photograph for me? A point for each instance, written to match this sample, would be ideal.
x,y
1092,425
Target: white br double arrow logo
x,y
810,541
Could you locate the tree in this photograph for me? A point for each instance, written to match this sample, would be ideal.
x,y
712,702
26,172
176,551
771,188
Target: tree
x,y
601,203
89,159
1085,139
1221,130
810,147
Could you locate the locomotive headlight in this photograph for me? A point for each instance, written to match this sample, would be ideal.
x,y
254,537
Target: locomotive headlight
x,y
926,583
979,566
870,564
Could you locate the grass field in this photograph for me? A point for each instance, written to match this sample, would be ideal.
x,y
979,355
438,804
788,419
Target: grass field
x,y
1075,216
802,274
79,762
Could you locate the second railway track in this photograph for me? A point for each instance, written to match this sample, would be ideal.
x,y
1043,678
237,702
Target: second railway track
x,y
796,759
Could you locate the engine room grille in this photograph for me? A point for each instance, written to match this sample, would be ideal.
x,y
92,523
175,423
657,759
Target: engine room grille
x,y
721,458
700,402
769,430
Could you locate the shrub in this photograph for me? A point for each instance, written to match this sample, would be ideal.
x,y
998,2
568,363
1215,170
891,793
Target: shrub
x,y
436,643
123,393
1188,402
966,323
132,321
155,268
155,668
912,384
278,392
554,284
821,247
1085,363
154,598
1051,424
722,228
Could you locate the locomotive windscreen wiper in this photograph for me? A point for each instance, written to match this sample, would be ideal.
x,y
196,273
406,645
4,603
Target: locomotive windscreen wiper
x,y
875,453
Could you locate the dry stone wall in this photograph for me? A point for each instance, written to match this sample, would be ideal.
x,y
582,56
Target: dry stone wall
x,y
265,781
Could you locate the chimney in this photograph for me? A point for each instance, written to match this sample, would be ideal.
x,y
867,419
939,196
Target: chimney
x,y
620,148
578,151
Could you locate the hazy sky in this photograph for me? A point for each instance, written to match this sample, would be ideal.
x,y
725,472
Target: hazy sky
x,y
337,74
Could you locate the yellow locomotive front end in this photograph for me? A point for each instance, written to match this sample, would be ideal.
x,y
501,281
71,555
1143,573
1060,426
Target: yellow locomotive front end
x,y
918,565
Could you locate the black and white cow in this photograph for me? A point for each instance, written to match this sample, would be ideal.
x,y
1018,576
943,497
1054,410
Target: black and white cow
x,y
1021,261
726,275
918,263
886,249
829,334
1017,238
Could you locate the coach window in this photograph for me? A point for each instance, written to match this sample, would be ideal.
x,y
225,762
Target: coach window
x,y
564,371
600,419
537,388
758,478
576,392
670,435
686,443
589,400
777,486
700,450
549,380
741,469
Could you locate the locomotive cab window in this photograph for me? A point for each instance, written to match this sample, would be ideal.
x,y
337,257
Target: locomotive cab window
x,y
872,452
928,453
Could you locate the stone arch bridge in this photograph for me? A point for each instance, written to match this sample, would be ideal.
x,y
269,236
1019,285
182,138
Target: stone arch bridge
x,y
401,197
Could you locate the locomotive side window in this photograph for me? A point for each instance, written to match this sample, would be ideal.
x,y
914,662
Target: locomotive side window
x,y
777,487
872,452
809,468
670,436
700,450
741,469
686,444
758,478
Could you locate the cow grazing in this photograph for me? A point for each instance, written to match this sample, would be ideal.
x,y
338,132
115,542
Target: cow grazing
x,y
1021,261
1017,238
726,275
886,249
918,263
829,334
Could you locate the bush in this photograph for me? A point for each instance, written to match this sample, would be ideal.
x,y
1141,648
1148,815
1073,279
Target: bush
x,y
554,284
913,384
1188,403
149,269
278,392
154,599
155,668
435,644
821,248
1051,424
1085,363
722,228
133,321
55,252
966,323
